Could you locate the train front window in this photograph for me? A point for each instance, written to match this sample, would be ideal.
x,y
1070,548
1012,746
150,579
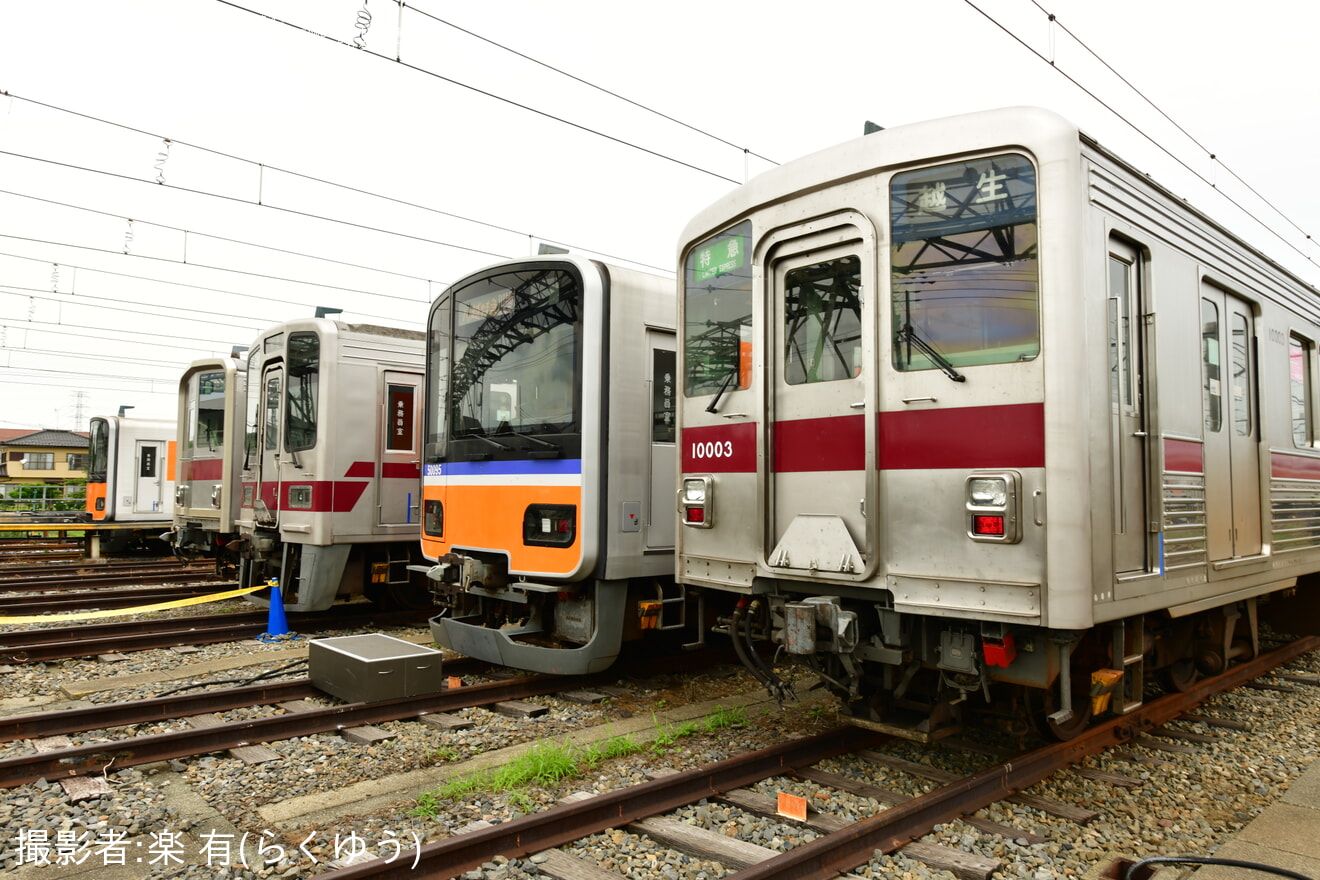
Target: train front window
x,y
717,314
515,385
964,257
304,359
98,451
438,363
206,420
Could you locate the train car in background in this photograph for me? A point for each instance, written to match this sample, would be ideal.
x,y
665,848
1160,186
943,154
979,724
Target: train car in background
x,y
549,463
131,467
976,415
330,471
212,398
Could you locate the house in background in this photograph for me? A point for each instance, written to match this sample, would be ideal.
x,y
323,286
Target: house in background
x,y
41,458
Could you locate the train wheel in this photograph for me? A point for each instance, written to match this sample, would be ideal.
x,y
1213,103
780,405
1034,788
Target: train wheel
x,y
1044,703
1180,676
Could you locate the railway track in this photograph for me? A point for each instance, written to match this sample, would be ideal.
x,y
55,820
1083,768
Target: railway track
x,y
42,645
37,578
841,846
81,760
54,603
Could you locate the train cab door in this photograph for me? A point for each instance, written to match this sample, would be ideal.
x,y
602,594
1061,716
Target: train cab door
x,y
1231,429
1127,400
822,420
400,450
268,443
148,482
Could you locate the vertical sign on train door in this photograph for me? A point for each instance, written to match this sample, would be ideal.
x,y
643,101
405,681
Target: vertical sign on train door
x,y
147,482
822,418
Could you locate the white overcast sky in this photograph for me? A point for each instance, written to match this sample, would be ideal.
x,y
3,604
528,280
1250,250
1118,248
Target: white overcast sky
x,y
302,171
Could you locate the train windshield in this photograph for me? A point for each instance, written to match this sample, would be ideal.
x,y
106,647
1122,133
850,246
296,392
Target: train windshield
x,y
506,360
206,419
98,452
964,255
717,314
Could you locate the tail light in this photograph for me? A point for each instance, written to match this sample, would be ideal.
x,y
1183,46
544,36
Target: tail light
x,y
550,525
993,507
696,502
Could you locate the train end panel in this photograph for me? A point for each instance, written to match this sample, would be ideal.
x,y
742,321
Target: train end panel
x,y
550,463
330,478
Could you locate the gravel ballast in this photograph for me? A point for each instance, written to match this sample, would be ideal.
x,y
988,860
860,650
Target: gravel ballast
x,y
326,798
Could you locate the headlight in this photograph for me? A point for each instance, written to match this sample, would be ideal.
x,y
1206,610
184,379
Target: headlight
x,y
987,491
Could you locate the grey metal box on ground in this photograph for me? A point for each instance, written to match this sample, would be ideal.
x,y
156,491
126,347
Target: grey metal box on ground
x,y
373,666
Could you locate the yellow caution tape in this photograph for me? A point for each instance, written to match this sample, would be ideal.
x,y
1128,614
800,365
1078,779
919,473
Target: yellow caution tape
x,y
122,612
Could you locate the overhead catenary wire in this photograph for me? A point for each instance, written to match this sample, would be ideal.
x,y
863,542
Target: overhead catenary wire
x,y
264,167
1149,137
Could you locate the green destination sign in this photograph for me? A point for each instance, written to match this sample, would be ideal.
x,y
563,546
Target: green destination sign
x,y
718,257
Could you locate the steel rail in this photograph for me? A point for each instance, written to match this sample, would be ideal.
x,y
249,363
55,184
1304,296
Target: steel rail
x,y
842,851
103,598
827,856
39,645
96,757
89,576
564,824
179,705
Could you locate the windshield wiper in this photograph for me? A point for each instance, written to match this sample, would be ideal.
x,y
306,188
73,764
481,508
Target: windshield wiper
x,y
733,373
909,335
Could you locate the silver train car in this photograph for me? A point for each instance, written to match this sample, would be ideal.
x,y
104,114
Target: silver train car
x,y
330,471
550,464
130,469
976,416
212,397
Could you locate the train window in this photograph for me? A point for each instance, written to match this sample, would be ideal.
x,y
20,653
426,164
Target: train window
x,y
437,379
206,418
964,254
823,321
272,411
1211,393
98,451
1120,332
516,374
253,405
304,372
1301,355
717,313
1240,357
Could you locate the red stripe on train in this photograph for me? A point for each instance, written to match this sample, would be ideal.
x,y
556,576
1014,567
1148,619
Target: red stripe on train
x,y
964,437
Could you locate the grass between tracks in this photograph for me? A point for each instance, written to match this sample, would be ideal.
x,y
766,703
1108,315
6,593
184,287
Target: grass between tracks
x,y
547,763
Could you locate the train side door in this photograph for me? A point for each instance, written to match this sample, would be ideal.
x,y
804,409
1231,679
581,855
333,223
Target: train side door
x,y
822,420
268,442
1232,435
148,480
400,452
1127,393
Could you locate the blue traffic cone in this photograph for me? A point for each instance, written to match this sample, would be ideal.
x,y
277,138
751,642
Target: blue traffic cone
x,y
276,625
